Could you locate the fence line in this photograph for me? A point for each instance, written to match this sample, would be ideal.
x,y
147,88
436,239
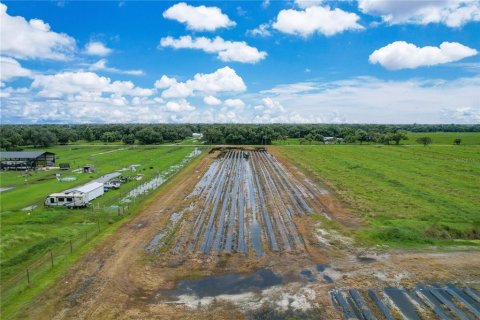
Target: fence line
x,y
23,279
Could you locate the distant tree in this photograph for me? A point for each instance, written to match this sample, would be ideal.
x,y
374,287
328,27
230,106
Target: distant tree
x,y
457,141
88,134
110,136
399,136
63,135
149,136
213,135
424,140
362,136
318,137
128,139
10,139
43,138
351,138
309,138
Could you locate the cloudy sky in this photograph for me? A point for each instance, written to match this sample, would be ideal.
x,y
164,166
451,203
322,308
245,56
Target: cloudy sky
x,y
365,61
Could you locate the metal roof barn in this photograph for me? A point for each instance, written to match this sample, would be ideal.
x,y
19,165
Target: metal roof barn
x,y
22,160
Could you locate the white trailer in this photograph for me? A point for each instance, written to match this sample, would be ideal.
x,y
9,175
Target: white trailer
x,y
76,197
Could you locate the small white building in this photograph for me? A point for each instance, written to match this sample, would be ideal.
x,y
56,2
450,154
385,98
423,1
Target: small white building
x,y
76,197
197,135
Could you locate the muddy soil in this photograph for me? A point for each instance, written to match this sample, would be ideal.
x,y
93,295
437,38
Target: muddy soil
x,y
121,279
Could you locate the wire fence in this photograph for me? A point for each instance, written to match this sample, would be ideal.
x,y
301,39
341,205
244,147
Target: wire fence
x,y
26,277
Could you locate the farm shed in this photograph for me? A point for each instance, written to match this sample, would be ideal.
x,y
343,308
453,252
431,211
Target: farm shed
x,y
88,168
76,197
17,160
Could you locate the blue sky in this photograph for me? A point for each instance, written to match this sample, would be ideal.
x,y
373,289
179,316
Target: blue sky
x,y
366,61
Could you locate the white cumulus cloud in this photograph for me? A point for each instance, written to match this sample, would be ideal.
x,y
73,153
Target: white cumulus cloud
x,y
222,80
234,103
97,48
73,85
404,55
260,31
199,18
165,82
453,13
179,106
316,19
238,51
101,65
11,69
212,101
32,39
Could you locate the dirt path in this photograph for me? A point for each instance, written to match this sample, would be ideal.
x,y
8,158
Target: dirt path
x,y
120,280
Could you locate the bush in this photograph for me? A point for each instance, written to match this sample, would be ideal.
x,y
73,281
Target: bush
x,y
404,234
445,232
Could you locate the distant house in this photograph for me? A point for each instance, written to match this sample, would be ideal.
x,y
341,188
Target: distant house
x,y
332,140
22,160
329,139
197,135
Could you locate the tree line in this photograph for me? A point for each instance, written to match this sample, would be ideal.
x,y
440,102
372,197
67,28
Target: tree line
x,y
14,137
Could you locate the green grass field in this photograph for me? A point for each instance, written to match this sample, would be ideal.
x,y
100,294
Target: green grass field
x,y
406,195
27,235
444,138
468,138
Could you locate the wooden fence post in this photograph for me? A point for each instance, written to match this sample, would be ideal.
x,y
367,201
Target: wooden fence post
x,y
28,277
51,257
71,246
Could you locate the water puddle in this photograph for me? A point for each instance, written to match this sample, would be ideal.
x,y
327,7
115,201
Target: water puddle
x,y
366,259
6,189
307,274
322,267
229,284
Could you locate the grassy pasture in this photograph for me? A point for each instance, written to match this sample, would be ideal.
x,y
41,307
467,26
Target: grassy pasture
x,y
468,138
26,235
407,195
444,138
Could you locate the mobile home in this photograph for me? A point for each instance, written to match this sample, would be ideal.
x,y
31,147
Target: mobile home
x,y
76,197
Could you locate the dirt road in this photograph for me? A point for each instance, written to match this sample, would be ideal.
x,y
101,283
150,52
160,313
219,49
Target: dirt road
x,y
123,279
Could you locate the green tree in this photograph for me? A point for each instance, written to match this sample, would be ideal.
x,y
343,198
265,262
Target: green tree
x,y
362,135
63,135
149,136
43,138
399,136
213,135
110,136
128,139
88,134
424,140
